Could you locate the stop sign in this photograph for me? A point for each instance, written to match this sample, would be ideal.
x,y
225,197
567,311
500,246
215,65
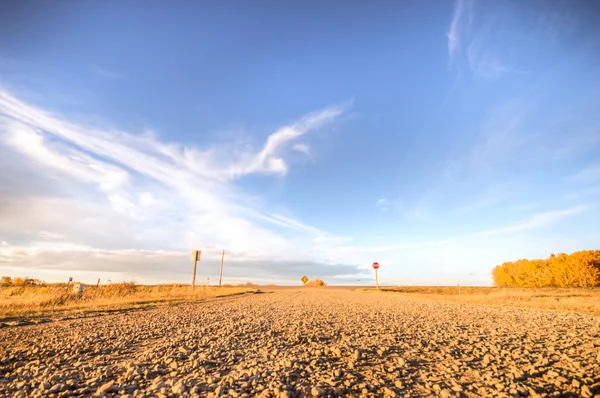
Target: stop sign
x,y
375,265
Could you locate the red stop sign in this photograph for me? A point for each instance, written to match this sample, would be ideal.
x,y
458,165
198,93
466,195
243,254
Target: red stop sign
x,y
375,265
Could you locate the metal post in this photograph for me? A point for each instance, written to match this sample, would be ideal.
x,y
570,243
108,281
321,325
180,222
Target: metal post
x,y
377,278
69,283
221,269
97,283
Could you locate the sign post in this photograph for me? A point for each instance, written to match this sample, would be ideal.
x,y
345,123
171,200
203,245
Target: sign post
x,y
196,254
69,283
376,268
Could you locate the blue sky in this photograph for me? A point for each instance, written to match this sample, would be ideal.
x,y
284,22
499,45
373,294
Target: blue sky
x,y
437,138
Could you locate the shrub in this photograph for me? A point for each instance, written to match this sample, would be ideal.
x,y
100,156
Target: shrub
x,y
315,282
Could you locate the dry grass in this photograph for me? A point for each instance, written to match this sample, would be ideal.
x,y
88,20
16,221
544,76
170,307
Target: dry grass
x,y
31,301
584,300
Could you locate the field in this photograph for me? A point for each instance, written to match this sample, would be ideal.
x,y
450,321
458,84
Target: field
x,y
297,342
32,301
584,300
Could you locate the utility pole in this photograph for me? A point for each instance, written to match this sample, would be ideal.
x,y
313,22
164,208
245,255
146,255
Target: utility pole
x,y
221,269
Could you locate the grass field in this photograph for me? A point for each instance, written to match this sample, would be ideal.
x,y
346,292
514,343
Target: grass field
x,y
32,301
586,300
28,301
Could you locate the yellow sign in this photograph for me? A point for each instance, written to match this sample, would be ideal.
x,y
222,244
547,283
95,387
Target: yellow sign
x,y
304,279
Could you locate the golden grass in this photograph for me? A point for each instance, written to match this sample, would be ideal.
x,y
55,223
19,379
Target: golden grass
x,y
583,300
31,301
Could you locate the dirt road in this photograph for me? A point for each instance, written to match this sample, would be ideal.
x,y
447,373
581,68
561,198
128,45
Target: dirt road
x,y
292,343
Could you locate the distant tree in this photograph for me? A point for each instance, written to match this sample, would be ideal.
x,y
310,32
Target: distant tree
x,y
580,269
6,281
315,282
19,281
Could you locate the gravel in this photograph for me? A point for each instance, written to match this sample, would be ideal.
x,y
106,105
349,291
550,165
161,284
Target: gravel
x,y
307,343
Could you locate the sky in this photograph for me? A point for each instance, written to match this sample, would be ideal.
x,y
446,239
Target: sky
x,y
437,138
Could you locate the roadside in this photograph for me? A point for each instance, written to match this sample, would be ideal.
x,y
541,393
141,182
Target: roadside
x,y
578,300
27,303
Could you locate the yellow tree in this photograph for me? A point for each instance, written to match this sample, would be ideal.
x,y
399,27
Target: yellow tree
x,y
584,268
580,269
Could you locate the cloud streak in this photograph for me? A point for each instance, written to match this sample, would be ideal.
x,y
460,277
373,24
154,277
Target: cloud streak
x,y
121,191
535,221
455,32
472,40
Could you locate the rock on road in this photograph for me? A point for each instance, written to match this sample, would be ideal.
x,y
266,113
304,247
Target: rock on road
x,y
307,342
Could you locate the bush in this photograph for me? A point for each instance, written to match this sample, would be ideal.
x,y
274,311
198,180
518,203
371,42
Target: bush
x,y
315,282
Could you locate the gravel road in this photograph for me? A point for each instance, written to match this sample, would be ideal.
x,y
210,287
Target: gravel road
x,y
310,342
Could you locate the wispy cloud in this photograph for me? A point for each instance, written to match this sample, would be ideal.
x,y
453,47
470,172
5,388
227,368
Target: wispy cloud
x,y
270,159
472,42
535,221
105,72
383,204
121,191
462,9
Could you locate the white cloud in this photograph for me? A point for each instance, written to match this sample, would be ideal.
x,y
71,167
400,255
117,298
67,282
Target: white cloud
x,y
270,159
106,189
535,221
383,204
104,200
455,31
472,40
302,148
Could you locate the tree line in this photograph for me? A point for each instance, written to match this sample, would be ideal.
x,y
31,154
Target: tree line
x,y
19,281
579,269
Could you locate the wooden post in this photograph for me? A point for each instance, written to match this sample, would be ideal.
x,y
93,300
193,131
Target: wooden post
x,y
69,283
459,289
196,255
221,269
97,286
377,278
